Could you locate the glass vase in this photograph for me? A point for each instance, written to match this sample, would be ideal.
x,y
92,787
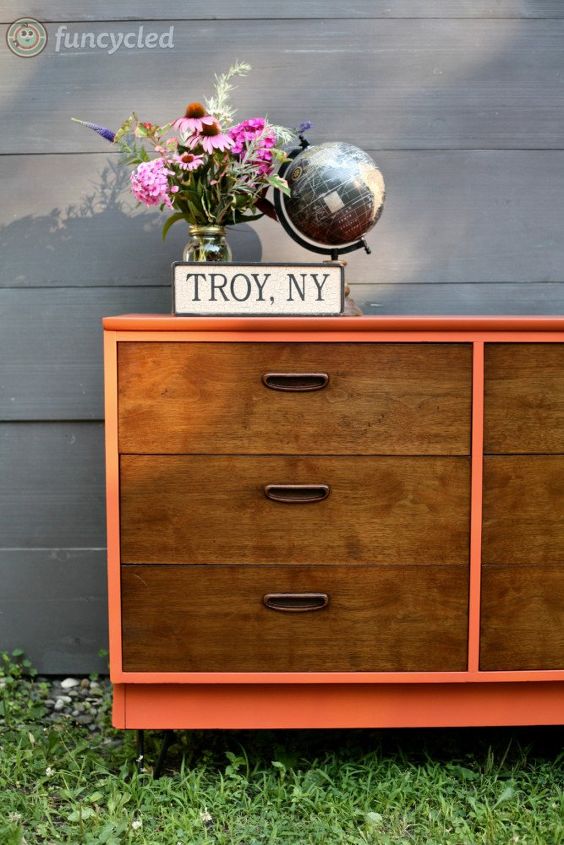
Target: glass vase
x,y
207,243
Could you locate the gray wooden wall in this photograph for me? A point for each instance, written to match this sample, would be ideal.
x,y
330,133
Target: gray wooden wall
x,y
461,103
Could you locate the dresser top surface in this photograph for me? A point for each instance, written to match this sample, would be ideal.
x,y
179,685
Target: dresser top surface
x,y
372,323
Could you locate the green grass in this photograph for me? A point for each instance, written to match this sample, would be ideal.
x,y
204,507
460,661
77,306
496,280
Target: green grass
x,y
63,784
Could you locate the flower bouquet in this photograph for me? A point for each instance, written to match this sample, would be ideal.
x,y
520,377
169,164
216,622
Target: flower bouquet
x,y
207,169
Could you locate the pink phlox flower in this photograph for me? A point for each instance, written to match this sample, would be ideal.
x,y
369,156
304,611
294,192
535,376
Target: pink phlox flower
x,y
252,130
149,182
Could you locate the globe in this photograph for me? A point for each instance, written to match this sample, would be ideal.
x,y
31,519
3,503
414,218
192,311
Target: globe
x,y
337,196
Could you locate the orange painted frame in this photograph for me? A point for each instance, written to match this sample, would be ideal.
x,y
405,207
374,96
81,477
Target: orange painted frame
x,y
134,690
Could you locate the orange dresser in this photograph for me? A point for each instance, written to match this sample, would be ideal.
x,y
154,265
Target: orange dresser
x,y
335,522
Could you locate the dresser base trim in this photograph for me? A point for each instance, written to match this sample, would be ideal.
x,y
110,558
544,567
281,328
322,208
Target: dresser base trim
x,y
173,706
350,678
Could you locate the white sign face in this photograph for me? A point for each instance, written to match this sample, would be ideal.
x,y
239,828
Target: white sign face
x,y
258,290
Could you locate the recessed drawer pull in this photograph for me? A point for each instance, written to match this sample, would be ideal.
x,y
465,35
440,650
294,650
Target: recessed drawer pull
x,y
296,602
293,494
295,382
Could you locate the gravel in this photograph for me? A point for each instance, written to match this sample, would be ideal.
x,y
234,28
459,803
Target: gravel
x,y
80,701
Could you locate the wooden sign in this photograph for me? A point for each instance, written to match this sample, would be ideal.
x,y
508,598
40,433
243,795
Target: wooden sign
x,y
257,290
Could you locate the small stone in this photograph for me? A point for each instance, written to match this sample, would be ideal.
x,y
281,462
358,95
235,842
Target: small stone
x,y
94,684
66,698
85,719
69,683
59,704
49,702
85,683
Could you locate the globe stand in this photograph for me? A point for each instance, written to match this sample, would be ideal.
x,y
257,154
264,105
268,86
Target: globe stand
x,y
334,252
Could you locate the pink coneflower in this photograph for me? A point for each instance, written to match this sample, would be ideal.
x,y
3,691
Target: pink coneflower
x,y
188,161
211,138
194,120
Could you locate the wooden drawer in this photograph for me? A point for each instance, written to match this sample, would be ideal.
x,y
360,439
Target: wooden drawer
x,y
523,521
214,618
522,617
388,398
524,397
207,509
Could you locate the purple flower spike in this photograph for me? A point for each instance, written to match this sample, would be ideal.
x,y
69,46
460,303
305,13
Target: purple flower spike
x,y
101,130
304,126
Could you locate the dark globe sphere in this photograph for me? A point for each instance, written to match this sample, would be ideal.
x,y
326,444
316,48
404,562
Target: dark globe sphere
x,y
337,193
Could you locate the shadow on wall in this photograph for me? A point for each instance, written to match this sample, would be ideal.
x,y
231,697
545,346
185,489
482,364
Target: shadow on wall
x,y
101,241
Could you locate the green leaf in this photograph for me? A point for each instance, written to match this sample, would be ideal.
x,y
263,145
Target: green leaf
x,y
462,771
174,218
507,794
279,183
81,814
125,127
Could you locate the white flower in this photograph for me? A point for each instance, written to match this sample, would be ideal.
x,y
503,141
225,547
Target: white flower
x,y
49,771
136,824
206,816
14,817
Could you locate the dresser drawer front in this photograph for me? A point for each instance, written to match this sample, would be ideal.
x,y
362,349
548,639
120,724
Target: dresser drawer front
x,y
524,398
196,509
377,398
522,618
523,519
214,618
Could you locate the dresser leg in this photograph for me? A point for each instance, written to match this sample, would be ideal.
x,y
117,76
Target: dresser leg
x,y
140,758
168,740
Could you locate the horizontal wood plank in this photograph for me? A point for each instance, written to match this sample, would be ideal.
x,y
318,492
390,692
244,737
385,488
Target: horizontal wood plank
x,y
213,510
451,217
399,84
189,619
522,618
53,606
52,491
210,397
523,507
51,348
524,397
135,10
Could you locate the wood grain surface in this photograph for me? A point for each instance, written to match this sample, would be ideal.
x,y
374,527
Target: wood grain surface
x,y
209,397
86,231
524,397
52,490
213,619
478,84
522,617
208,509
134,10
523,521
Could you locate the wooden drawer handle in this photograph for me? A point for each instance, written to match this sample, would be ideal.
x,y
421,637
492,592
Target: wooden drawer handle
x,y
293,494
296,602
296,382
